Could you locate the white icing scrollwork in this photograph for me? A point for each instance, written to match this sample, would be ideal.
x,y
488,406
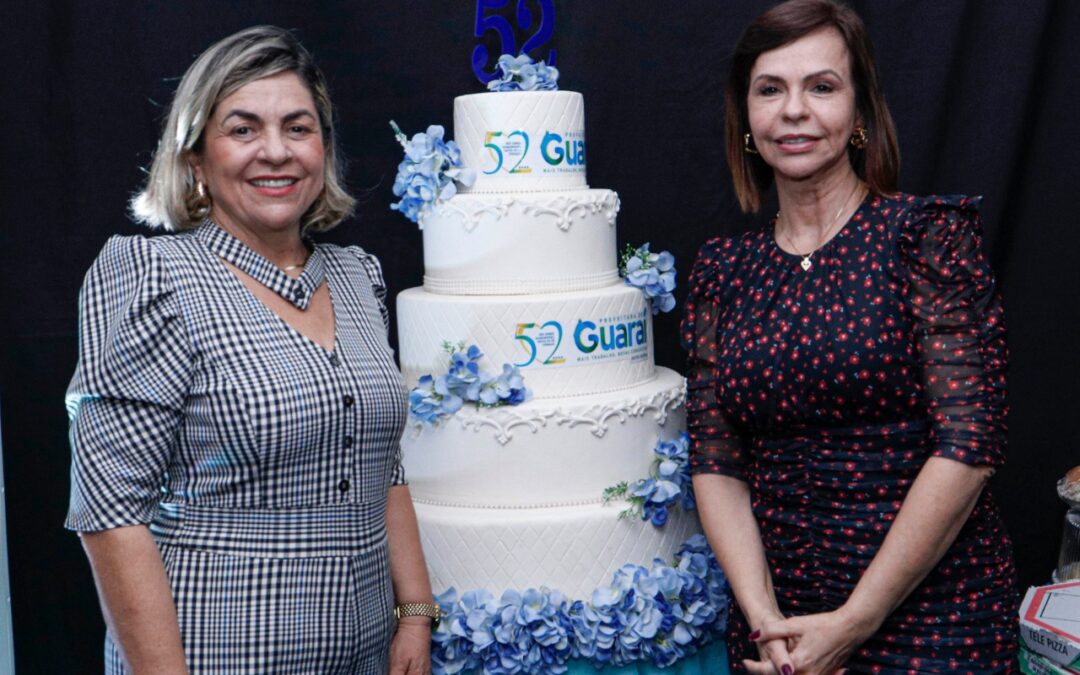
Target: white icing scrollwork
x,y
470,212
503,421
563,208
611,208
597,418
566,208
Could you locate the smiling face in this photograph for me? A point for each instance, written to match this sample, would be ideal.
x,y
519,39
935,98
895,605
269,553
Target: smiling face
x,y
262,157
801,107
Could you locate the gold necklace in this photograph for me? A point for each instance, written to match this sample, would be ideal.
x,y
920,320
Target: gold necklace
x,y
805,263
297,266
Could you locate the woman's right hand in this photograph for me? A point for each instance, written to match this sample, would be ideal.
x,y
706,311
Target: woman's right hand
x,y
775,655
410,650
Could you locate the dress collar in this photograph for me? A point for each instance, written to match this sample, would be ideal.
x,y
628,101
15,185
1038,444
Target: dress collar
x,y
297,291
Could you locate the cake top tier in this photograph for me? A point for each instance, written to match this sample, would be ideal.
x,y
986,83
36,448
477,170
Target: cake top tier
x,y
522,140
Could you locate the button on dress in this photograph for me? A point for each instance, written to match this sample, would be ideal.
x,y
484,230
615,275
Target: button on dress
x,y
260,461
826,390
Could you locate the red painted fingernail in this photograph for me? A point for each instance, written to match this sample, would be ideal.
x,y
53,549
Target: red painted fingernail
x,y
755,635
787,670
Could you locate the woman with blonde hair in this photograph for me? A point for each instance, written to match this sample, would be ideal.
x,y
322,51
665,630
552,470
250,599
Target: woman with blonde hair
x,y
236,410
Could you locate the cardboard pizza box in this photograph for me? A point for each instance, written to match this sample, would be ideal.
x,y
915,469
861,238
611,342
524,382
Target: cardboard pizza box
x,y
1050,623
1033,664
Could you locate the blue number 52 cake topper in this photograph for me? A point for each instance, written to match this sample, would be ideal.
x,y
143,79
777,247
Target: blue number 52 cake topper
x,y
488,19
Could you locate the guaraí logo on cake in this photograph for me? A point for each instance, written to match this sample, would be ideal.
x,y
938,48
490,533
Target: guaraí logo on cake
x,y
518,152
607,338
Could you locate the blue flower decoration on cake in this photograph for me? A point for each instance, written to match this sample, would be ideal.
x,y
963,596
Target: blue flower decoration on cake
x,y
521,73
668,485
655,615
652,273
429,174
434,398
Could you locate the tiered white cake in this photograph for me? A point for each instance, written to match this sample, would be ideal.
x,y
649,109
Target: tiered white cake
x,y
523,265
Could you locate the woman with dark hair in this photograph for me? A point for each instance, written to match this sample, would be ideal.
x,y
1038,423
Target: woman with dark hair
x,y
236,410
846,381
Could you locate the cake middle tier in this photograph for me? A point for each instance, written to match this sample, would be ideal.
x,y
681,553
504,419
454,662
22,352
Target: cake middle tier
x,y
521,242
565,344
544,453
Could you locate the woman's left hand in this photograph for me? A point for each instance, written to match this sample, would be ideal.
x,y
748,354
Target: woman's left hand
x,y
410,650
822,642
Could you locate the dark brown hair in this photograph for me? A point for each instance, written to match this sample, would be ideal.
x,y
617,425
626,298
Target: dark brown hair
x,y
877,164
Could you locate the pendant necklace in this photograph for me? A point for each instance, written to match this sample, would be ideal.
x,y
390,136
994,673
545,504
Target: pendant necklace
x,y
805,263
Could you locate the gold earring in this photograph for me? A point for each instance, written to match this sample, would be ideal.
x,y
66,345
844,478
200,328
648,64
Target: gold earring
x,y
859,139
199,203
748,144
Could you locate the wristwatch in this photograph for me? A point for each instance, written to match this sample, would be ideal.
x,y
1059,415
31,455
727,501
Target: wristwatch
x,y
419,609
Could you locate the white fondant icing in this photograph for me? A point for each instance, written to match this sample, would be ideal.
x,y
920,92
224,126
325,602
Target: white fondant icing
x,y
544,453
502,421
512,497
535,331
566,207
521,242
573,549
509,138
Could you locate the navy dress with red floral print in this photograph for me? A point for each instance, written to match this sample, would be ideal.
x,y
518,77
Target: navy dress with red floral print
x,y
826,390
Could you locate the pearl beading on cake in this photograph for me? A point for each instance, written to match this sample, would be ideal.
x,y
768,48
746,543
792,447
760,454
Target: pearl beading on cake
x,y
581,282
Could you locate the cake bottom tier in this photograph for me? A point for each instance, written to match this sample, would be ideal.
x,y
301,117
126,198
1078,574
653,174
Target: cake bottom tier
x,y
573,589
571,549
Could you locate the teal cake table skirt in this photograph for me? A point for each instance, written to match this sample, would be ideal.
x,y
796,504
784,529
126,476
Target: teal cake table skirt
x,y
712,660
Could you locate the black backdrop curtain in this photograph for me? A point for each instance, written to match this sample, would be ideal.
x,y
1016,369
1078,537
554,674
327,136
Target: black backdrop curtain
x,y
984,93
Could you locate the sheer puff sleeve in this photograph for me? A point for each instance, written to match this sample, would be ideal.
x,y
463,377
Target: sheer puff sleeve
x,y
959,328
715,446
126,398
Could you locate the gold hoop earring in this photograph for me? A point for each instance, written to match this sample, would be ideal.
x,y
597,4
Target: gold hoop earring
x,y
199,202
859,139
748,144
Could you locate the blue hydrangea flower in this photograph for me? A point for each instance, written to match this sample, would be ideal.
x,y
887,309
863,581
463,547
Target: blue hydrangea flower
x,y
423,403
464,382
652,273
658,515
429,174
668,485
521,73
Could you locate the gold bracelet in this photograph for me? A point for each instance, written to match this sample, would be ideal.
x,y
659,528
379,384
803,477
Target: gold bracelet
x,y
419,609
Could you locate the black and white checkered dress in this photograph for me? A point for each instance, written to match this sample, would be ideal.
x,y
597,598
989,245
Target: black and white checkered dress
x,y
260,460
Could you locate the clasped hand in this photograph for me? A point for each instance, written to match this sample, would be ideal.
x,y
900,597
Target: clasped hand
x,y
815,644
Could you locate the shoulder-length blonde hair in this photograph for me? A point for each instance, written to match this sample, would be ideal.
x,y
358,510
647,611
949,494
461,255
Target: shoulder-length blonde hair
x,y
878,164
169,198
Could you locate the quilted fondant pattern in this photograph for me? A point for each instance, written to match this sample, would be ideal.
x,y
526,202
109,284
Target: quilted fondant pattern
x,y
426,320
573,549
534,112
